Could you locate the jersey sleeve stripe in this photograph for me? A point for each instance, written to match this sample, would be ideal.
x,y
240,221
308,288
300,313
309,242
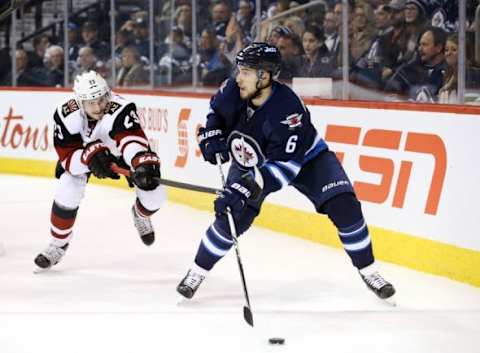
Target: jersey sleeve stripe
x,y
318,146
277,173
292,167
128,139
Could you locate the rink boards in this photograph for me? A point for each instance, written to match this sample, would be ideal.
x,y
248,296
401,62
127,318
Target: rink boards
x,y
415,171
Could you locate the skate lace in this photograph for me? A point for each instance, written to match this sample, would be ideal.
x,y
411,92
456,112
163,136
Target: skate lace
x,y
143,225
375,280
193,280
54,253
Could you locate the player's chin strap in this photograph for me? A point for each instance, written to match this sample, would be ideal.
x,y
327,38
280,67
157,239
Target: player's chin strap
x,y
247,311
259,79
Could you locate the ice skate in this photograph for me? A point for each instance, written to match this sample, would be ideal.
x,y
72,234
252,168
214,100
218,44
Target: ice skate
x,y
377,284
50,257
190,283
144,227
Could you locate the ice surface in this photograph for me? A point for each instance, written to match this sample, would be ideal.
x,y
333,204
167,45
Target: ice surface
x,y
112,294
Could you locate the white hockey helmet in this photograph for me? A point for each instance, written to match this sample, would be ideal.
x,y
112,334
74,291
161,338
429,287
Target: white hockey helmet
x,y
90,85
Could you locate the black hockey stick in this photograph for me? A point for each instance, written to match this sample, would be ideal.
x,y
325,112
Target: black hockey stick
x,y
247,311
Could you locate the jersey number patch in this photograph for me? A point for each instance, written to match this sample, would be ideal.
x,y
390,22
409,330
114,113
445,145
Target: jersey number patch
x,y
58,132
291,144
131,119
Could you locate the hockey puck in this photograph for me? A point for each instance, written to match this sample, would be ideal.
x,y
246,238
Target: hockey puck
x,y
276,340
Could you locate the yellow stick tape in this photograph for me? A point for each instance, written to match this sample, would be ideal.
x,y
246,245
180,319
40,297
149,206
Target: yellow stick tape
x,y
421,254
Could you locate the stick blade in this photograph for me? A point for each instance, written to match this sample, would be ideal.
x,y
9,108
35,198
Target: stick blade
x,y
247,315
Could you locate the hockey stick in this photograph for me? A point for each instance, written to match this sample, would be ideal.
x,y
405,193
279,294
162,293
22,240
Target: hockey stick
x,y
247,311
119,170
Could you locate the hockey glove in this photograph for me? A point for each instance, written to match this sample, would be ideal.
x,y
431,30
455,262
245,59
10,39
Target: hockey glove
x,y
235,195
146,173
98,159
211,142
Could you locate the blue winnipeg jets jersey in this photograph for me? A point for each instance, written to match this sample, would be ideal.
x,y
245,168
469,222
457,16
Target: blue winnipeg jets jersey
x,y
277,137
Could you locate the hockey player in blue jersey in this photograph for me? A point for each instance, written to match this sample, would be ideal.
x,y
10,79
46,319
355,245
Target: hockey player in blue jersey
x,y
261,122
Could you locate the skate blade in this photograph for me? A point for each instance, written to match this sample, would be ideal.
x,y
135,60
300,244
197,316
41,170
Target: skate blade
x,y
37,270
390,301
182,301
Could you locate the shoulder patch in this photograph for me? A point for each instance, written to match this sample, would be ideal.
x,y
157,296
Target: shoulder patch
x,y
69,107
113,107
293,120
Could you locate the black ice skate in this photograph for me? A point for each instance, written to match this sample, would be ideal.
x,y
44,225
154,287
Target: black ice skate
x,y
190,283
376,283
50,256
144,227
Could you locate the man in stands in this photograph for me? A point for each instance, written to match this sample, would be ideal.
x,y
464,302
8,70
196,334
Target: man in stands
x,y
421,79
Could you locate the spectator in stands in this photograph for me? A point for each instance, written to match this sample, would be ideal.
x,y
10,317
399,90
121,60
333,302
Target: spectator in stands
x,y
40,45
363,31
86,61
214,66
295,24
282,6
132,71
276,33
54,60
396,55
444,14
220,16
184,22
448,92
367,70
337,56
178,59
415,19
26,75
290,48
330,31
245,16
422,79
73,41
337,10
141,37
90,39
123,39
316,61
298,13
234,38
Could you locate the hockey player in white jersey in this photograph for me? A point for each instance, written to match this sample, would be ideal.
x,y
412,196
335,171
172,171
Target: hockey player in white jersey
x,y
93,129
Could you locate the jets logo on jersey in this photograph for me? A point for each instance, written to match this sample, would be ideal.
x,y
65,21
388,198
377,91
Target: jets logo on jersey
x,y
245,150
69,107
293,120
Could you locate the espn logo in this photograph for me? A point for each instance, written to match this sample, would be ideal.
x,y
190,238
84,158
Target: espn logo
x,y
423,143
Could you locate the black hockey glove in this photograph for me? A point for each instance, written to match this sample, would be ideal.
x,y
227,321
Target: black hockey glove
x,y
98,159
235,195
211,142
146,174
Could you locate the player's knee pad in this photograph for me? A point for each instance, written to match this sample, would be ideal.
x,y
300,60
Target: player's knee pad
x,y
344,210
70,190
152,200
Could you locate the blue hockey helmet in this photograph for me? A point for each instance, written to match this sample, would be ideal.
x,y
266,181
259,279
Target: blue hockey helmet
x,y
260,56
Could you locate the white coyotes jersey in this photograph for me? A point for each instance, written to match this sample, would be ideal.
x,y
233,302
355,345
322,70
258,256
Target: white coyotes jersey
x,y
119,127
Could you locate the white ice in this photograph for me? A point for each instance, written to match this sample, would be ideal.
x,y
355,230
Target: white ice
x,y
112,294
